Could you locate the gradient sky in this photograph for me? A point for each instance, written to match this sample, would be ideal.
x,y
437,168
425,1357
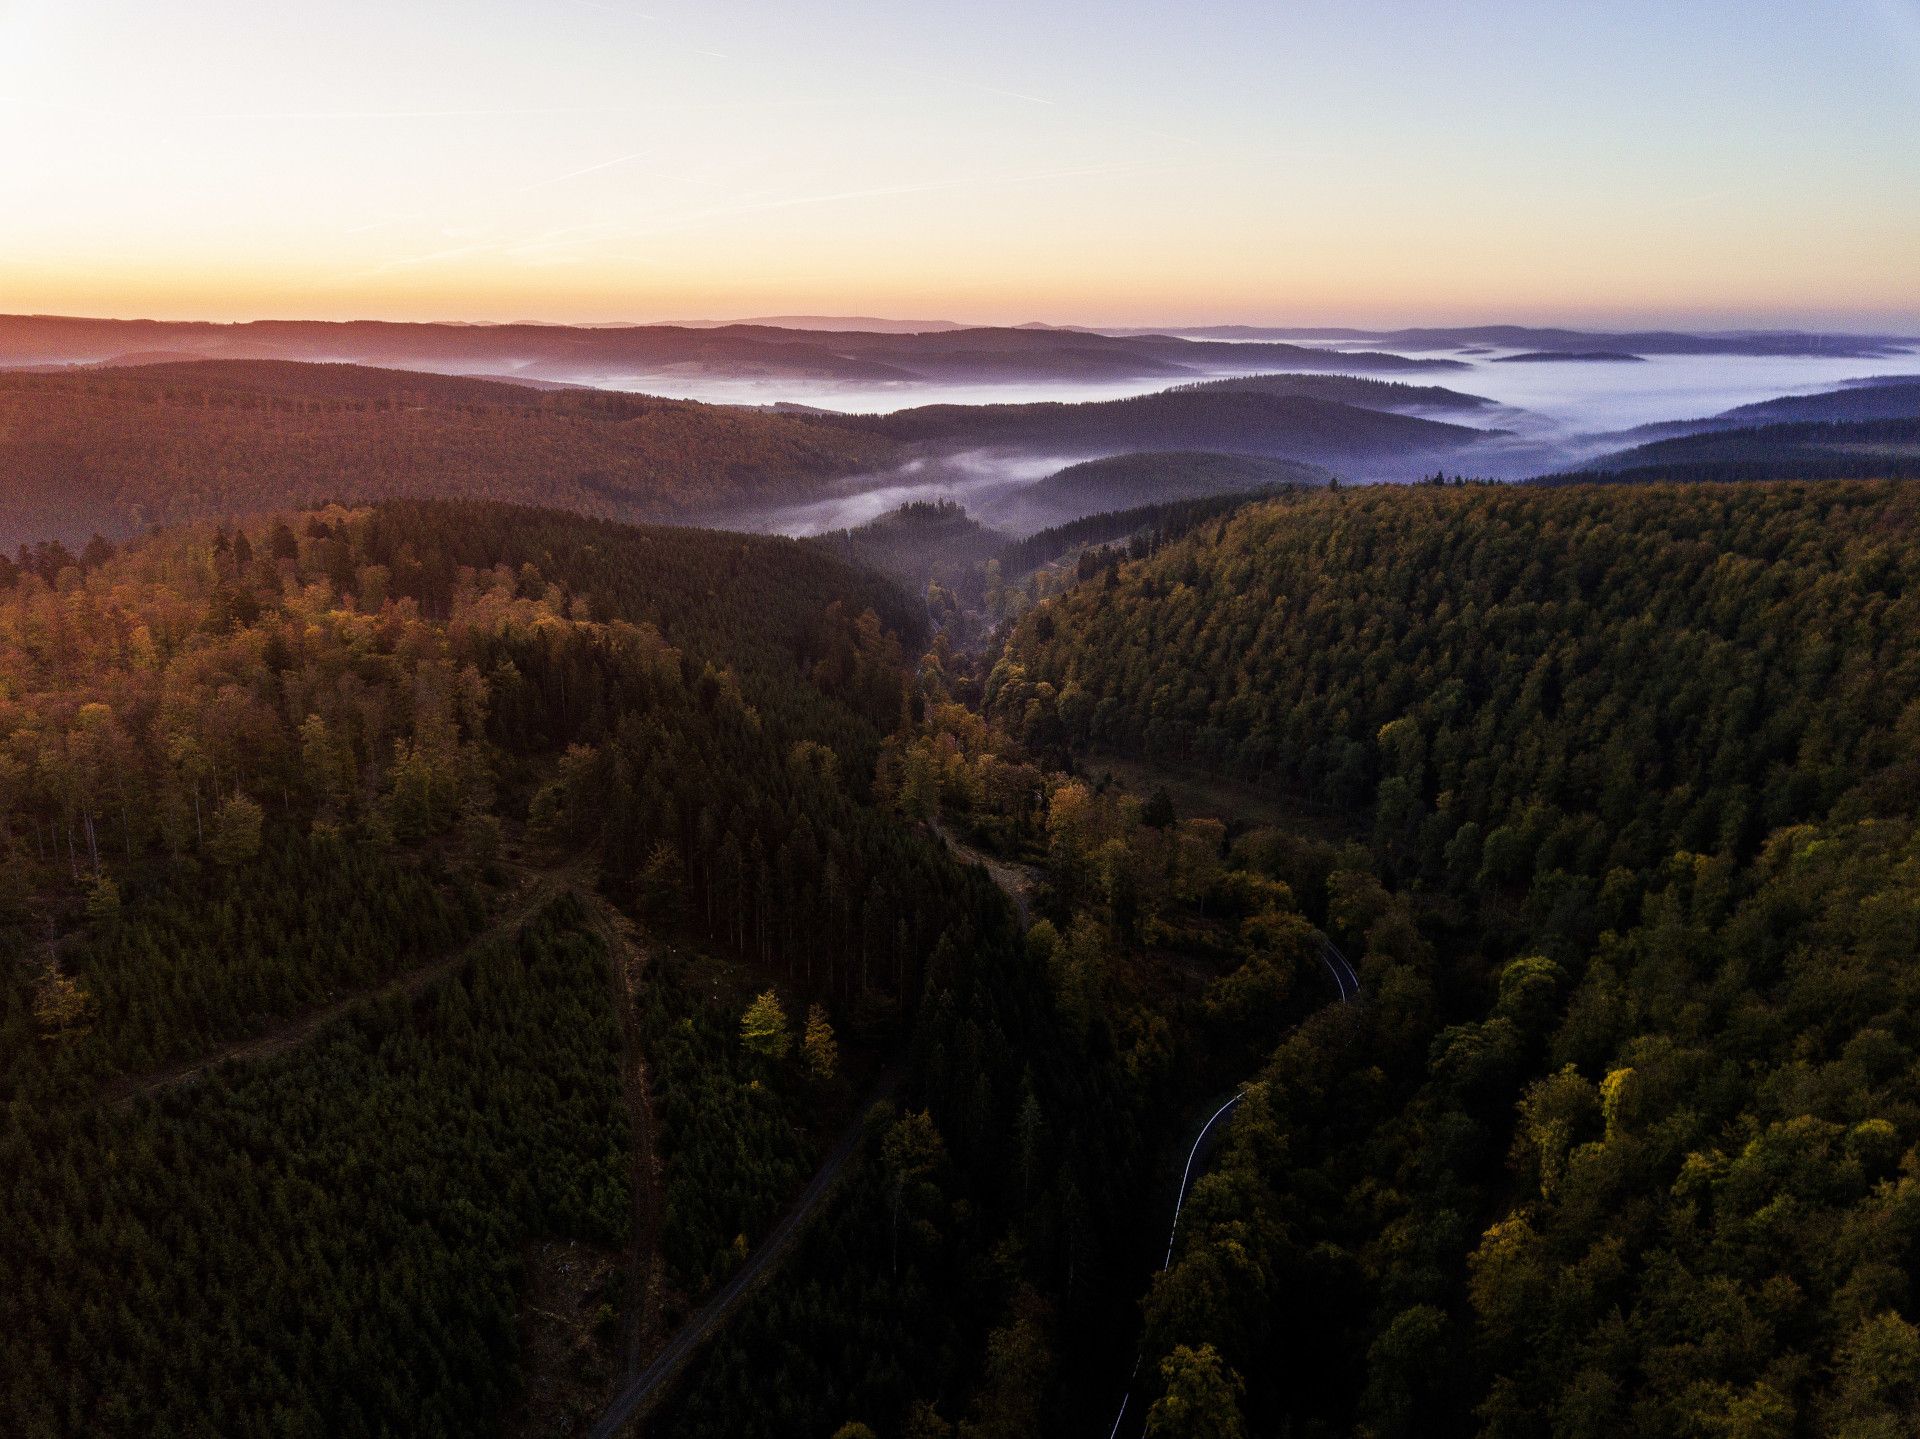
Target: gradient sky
x,y
1372,161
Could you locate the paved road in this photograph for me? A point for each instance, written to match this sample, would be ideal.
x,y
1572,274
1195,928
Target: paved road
x,y
667,1364
1348,983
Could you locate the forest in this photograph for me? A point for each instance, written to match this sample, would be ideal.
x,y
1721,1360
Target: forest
x,y
578,890
1121,482
339,805
1618,790
117,450
1886,448
1303,427
1359,390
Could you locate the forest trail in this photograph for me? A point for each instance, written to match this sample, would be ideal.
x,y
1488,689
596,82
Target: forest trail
x,y
627,961
646,1280
666,1366
535,889
1015,880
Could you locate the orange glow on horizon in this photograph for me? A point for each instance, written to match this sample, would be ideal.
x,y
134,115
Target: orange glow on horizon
x,y
593,164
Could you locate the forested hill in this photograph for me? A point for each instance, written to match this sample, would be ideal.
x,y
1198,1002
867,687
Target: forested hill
x,y
1156,477
1291,426
1654,657
1625,1138
295,791
115,451
1882,398
1358,390
1815,449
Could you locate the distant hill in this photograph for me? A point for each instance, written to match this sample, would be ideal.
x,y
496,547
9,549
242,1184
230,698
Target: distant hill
x,y
630,354
1891,399
1641,342
1600,357
870,323
924,540
114,451
1367,442
1157,522
1818,450
1125,482
1879,397
1351,390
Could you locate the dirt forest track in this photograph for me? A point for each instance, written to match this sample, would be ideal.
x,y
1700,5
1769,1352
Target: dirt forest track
x,y
535,889
653,1381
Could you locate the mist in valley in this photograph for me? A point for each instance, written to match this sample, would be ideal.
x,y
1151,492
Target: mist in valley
x,y
1556,416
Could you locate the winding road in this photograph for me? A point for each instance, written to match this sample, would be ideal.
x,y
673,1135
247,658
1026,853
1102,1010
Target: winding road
x,y
1348,983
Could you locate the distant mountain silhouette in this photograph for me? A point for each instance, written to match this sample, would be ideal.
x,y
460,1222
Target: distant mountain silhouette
x,y
1529,337
1601,357
631,354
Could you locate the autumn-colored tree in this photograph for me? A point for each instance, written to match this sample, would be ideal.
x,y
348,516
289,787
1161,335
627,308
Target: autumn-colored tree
x,y
763,1028
60,1003
822,1051
233,834
1202,1398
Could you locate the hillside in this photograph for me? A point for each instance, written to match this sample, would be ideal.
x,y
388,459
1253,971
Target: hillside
x,y
1123,482
1828,450
1620,1139
1288,426
1879,399
1545,338
1882,397
631,353
1595,357
917,543
114,451
338,848
1368,394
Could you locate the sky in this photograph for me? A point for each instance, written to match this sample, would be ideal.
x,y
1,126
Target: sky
x,y
1728,162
